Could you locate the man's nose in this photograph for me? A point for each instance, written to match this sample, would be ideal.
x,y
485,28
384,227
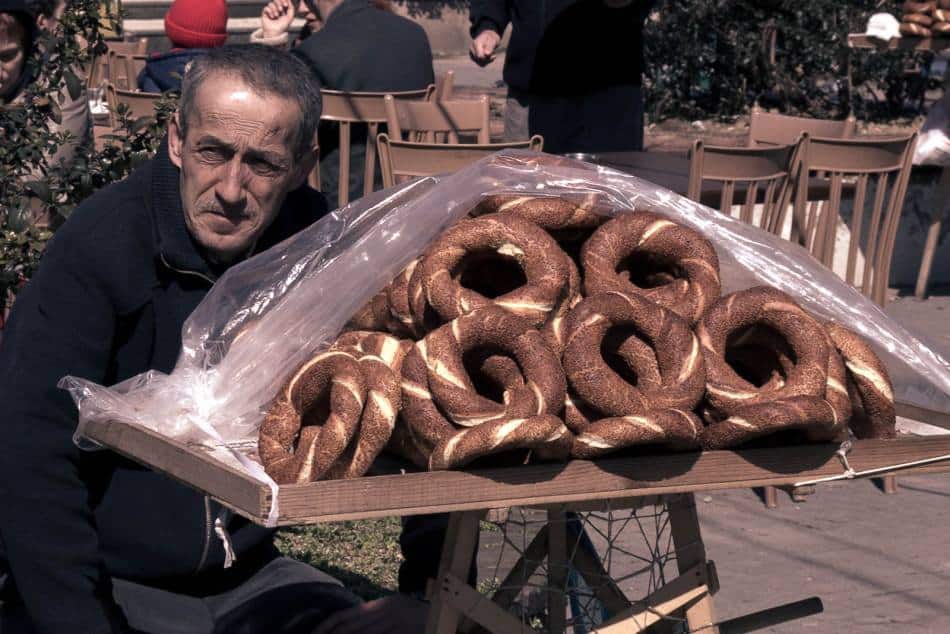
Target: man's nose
x,y
230,188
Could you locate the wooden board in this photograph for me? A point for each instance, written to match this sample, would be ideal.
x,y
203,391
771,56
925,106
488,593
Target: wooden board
x,y
905,43
579,480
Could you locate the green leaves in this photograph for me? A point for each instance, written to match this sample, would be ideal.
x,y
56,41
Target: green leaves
x,y
714,58
31,186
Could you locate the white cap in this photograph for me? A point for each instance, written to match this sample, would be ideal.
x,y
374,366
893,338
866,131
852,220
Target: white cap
x,y
883,26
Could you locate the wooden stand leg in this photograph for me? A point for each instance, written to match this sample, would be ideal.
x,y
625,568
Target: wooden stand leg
x,y
771,497
889,484
933,234
557,570
457,553
690,553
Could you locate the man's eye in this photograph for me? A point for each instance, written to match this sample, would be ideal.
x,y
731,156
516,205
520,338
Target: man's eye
x,y
264,168
211,154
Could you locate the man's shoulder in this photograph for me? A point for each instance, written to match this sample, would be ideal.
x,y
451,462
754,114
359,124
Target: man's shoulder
x,y
112,212
110,236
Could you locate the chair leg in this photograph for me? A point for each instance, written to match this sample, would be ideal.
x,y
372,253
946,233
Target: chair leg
x,y
933,234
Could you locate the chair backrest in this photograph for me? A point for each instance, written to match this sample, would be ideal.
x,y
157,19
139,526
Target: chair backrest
x,y
444,86
876,171
126,47
438,121
141,104
402,160
766,177
766,128
347,108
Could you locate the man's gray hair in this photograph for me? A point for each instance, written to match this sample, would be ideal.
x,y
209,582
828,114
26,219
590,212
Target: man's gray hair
x,y
266,71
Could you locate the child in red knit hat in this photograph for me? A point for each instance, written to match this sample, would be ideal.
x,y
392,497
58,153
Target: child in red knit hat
x,y
193,26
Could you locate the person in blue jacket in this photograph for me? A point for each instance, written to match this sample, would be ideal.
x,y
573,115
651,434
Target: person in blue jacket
x,y
91,542
193,27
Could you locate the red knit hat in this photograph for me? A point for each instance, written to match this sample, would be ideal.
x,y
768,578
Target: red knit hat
x,y
197,23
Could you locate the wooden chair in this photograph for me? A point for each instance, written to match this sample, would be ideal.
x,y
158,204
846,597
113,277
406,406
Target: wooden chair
x,y
882,164
141,104
402,160
347,108
766,128
768,176
438,121
445,86
129,47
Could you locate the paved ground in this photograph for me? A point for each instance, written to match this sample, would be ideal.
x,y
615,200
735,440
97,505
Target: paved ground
x,y
878,562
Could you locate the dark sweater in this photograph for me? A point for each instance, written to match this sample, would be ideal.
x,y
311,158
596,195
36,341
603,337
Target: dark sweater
x,y
363,49
566,47
107,303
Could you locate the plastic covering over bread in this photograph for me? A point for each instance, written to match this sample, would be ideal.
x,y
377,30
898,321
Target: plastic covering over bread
x,y
268,315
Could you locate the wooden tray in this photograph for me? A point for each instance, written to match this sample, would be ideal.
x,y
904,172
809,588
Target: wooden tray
x,y
579,480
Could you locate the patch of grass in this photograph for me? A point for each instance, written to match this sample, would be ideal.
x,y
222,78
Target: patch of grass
x,y
364,555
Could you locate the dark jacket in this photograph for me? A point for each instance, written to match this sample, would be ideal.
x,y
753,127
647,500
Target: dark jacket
x,y
364,49
107,303
163,71
566,47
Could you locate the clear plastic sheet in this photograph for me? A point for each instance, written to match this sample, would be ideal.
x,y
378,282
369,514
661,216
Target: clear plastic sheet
x,y
269,314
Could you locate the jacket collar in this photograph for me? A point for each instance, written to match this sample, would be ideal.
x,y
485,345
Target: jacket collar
x,y
177,248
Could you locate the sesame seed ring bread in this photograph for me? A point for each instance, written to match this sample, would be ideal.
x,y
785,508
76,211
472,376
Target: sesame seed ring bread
x,y
373,315
435,286
943,27
677,429
810,414
439,395
943,4
676,350
397,296
915,30
765,357
545,434
915,6
313,419
726,391
941,15
868,383
657,240
380,358
548,212
922,19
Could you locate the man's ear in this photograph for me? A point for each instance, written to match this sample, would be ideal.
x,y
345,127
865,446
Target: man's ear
x,y
305,166
175,140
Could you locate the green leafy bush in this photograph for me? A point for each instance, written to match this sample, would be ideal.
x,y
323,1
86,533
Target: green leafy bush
x,y
715,58
30,186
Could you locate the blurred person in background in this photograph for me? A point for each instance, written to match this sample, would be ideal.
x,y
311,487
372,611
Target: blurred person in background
x,y
361,46
17,30
192,26
573,68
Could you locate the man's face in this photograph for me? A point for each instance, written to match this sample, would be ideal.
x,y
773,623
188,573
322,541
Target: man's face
x,y
237,164
12,54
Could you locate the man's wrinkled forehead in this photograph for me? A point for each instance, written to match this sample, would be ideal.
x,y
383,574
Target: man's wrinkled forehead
x,y
227,103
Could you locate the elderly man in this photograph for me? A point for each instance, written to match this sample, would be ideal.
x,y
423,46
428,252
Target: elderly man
x,y
92,542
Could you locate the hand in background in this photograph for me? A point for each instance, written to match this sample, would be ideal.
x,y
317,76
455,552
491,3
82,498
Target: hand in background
x,y
277,17
483,47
